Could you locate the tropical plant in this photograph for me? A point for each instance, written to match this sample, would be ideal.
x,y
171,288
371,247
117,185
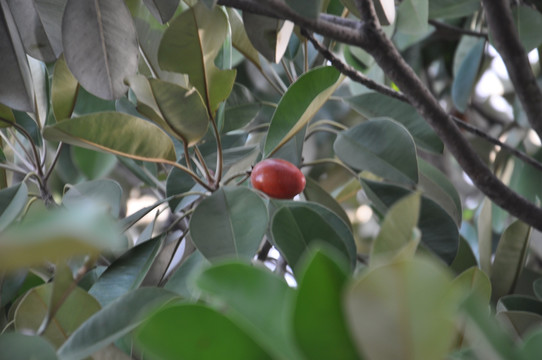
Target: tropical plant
x,y
416,235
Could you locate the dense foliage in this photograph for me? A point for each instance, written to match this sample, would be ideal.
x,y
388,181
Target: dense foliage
x,y
129,227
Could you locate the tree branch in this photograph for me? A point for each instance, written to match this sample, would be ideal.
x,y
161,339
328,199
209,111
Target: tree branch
x,y
506,41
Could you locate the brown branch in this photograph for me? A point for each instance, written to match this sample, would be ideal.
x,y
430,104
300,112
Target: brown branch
x,y
506,41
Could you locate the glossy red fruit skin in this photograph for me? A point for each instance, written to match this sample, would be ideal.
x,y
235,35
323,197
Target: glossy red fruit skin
x,y
277,178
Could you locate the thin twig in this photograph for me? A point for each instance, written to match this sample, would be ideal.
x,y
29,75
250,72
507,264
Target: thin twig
x,y
457,30
53,163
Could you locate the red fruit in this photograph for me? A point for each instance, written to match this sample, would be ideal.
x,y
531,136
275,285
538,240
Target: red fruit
x,y
277,178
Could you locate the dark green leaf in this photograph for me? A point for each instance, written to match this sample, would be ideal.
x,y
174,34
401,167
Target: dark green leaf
x,y
268,35
229,223
382,147
126,273
162,10
310,9
452,8
93,164
64,90
194,331
181,281
315,193
296,226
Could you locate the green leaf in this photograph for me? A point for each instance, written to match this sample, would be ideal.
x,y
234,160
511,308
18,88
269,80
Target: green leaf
x,y
268,35
465,78
319,318
519,314
17,91
13,200
17,346
475,281
64,90
229,223
532,346
93,164
189,46
296,226
412,16
510,258
261,300
299,104
104,192
437,187
393,316
6,114
240,39
448,9
117,133
114,321
76,308
194,331
485,236
528,25
162,10
58,234
382,147
372,105
183,110
439,231
398,229
315,193
126,273
100,45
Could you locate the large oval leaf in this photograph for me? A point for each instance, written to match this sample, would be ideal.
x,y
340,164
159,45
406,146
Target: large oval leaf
x,y
182,109
117,133
17,90
102,192
195,331
162,10
246,290
412,16
509,258
393,315
296,226
382,147
375,105
319,320
77,307
100,45
452,8
229,223
299,104
240,39
114,321
190,45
